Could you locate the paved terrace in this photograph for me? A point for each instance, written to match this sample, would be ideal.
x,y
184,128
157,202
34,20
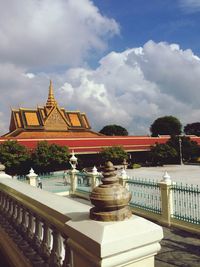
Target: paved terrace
x,y
186,174
179,248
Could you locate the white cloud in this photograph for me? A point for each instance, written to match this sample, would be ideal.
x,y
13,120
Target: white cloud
x,y
50,33
136,86
30,75
131,88
190,5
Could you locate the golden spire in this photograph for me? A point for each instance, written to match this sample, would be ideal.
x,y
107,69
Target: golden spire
x,y
51,100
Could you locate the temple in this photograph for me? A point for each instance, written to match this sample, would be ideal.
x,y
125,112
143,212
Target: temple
x,y
49,121
56,125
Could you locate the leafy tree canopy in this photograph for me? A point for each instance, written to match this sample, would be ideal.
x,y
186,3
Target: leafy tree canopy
x,y
163,153
167,125
114,130
15,157
192,129
170,152
190,149
49,157
115,154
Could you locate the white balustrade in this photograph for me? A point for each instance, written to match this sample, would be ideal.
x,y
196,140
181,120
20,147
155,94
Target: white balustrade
x,y
49,230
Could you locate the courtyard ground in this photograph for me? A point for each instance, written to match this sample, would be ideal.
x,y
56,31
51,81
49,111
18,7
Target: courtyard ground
x,y
186,174
178,248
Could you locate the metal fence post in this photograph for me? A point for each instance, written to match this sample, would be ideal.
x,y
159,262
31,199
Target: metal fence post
x,y
166,199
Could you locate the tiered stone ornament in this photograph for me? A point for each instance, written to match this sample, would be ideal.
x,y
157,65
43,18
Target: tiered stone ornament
x,y
110,198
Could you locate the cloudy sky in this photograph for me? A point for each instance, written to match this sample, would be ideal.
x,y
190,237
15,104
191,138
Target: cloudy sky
x,y
124,62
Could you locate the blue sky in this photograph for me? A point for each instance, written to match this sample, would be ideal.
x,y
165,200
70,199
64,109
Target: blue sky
x,y
122,62
158,20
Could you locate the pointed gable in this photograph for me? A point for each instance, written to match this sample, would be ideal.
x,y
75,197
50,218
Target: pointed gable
x,y
49,120
55,120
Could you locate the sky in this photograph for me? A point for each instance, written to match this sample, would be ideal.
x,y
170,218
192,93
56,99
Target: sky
x,y
122,62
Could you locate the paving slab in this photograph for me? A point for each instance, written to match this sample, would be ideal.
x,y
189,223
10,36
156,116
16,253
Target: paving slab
x,y
178,248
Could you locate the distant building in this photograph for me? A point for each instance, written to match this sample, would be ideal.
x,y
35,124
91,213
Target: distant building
x,y
49,121
72,129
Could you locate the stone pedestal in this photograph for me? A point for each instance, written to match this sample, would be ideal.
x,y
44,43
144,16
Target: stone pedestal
x,y
130,243
73,177
166,199
32,176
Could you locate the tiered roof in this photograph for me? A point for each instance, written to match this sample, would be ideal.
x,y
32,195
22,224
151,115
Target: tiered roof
x,y
49,121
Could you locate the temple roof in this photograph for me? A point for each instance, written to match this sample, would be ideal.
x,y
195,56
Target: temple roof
x,y
48,118
51,102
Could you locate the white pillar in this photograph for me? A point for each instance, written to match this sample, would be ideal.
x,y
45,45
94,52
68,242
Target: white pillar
x,y
32,176
166,199
123,177
94,177
130,243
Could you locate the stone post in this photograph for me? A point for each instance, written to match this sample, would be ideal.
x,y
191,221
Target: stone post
x,y
2,172
73,176
73,173
32,176
94,177
166,199
123,177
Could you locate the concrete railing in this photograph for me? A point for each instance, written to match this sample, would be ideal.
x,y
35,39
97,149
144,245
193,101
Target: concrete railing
x,y
168,203
39,228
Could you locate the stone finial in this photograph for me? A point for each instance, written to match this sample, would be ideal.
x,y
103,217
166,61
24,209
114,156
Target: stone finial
x,y
94,171
31,173
110,198
166,177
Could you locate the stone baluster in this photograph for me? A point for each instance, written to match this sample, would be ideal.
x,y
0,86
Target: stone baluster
x,y
3,201
19,216
46,242
7,203
10,209
55,257
23,227
38,233
14,212
67,259
30,226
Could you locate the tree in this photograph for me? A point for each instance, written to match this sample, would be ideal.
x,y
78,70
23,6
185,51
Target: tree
x,y
49,157
190,149
163,154
114,130
116,154
192,129
167,125
15,157
170,152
